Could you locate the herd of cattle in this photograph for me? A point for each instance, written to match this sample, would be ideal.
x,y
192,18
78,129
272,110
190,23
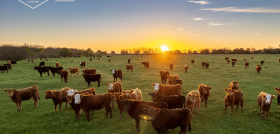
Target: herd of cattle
x,y
167,99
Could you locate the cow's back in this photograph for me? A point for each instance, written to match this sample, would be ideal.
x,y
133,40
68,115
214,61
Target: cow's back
x,y
136,108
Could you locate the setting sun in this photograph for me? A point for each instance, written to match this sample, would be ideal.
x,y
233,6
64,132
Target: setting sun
x,y
164,48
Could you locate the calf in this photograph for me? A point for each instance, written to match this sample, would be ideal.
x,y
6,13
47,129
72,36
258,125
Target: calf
x,y
146,64
262,62
171,66
192,61
264,101
63,74
172,78
42,64
207,65
173,101
74,70
89,71
233,63
134,94
109,60
42,70
55,70
163,76
164,119
118,97
129,67
228,61
234,85
116,74
278,96
92,77
115,87
193,100
83,64
186,68
57,64
24,94
258,68
167,89
58,96
4,68
179,82
246,64
128,61
136,109
203,64
204,91
233,97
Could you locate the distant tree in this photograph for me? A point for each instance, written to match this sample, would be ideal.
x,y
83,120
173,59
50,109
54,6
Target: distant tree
x,y
177,52
113,52
190,51
64,52
195,52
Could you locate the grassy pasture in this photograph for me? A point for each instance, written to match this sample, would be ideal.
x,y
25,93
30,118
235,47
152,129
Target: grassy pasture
x,y
210,120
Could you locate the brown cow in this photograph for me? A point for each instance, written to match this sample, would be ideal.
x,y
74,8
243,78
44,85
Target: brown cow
x,y
173,101
228,61
63,74
129,67
192,61
135,109
163,76
193,100
134,94
58,96
233,97
83,64
233,63
234,85
167,89
172,78
32,61
57,64
89,71
262,62
203,63
116,74
74,70
115,87
235,60
46,58
28,59
264,101
128,61
226,58
258,68
109,60
146,64
179,82
246,63
186,68
90,59
164,119
118,97
207,65
24,94
278,96
171,66
204,91
279,60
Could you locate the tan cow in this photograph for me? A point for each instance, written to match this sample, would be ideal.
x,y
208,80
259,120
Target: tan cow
x,y
74,70
129,67
167,89
204,91
172,79
163,76
233,97
57,64
8,62
193,100
134,94
258,68
24,94
234,85
264,101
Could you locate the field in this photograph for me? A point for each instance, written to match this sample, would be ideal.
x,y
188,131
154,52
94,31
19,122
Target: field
x,y
211,120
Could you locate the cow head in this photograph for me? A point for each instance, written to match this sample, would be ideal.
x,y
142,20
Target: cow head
x,y
268,98
36,68
156,86
127,103
117,96
113,71
48,94
235,84
207,89
153,95
278,90
192,96
151,112
77,98
160,72
69,69
229,91
128,92
178,82
10,92
111,86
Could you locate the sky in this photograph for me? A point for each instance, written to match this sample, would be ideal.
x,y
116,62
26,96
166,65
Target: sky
x,y
112,25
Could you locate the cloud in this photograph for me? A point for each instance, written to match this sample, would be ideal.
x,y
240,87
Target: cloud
x,y
168,25
243,10
196,19
257,34
180,29
200,2
216,24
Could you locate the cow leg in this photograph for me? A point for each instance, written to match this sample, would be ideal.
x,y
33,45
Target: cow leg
x,y
237,107
60,107
232,110
88,84
225,109
92,112
121,110
205,102
137,121
266,112
98,84
88,115
61,79
41,74
18,106
241,104
55,105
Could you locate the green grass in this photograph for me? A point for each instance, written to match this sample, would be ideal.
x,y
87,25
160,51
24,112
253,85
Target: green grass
x,y
210,120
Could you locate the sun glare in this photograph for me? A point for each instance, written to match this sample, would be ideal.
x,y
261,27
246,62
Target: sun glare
x,y
164,48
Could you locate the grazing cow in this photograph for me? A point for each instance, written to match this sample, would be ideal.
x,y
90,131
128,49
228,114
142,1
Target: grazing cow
x,y
13,62
129,67
90,59
116,74
55,70
94,102
172,78
192,61
92,77
115,87
164,119
246,64
186,68
258,68
235,60
4,68
32,61
136,109
58,96
28,59
57,64
262,62
42,64
233,63
134,94
8,65
98,58
173,101
163,76
89,71
109,60
252,57
108,56
193,100
207,65
233,97
234,85
171,66
118,97
74,70
128,61
24,94
228,61
83,64
264,101
146,64
203,63
204,91
63,74
42,70
226,58
278,96
179,82
167,89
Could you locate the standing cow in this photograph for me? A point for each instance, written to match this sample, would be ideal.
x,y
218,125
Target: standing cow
x,y
264,101
233,97
163,76
204,91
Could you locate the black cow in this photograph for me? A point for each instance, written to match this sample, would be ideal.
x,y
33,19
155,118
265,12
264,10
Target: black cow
x,y
42,64
8,65
55,70
3,68
92,77
13,62
42,70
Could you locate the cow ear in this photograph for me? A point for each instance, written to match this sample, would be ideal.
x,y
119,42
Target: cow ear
x,y
189,95
225,90
237,81
210,88
145,110
120,93
157,110
131,91
5,90
149,94
131,101
264,96
276,89
14,89
153,84
45,91
273,96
